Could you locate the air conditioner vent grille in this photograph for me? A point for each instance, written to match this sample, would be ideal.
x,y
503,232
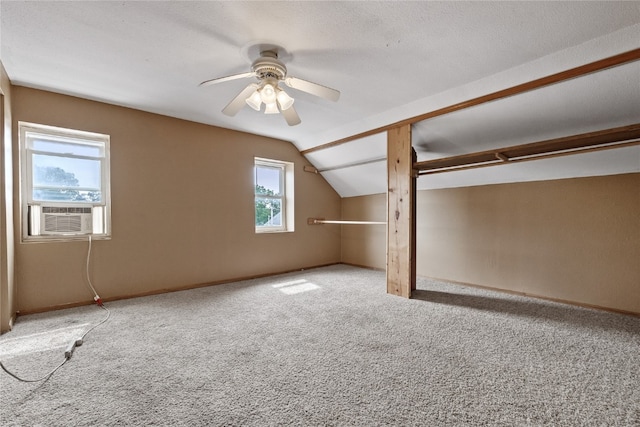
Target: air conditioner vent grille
x,y
63,224
66,220
65,210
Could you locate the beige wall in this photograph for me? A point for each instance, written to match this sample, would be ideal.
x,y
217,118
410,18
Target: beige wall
x,y
182,215
182,208
365,245
575,239
7,252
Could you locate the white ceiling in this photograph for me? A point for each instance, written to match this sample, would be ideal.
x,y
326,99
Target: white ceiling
x,y
390,60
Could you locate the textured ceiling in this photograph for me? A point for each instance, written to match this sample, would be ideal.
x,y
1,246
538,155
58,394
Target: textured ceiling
x,y
390,60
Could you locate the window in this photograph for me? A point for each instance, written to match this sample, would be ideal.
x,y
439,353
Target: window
x,y
273,182
65,183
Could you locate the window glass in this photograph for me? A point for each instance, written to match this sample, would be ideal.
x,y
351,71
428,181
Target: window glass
x,y
269,180
273,182
268,212
61,147
66,171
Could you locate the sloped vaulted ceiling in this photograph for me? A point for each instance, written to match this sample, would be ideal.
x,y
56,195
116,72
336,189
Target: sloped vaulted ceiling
x,y
390,60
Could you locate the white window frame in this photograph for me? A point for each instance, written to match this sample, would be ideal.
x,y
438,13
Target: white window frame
x,y
286,197
31,210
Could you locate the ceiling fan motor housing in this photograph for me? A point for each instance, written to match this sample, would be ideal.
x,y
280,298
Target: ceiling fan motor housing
x,y
268,66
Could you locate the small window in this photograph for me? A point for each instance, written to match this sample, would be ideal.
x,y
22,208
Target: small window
x,y
65,182
273,182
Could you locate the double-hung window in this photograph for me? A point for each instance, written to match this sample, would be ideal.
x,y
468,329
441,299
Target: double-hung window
x,y
64,183
273,195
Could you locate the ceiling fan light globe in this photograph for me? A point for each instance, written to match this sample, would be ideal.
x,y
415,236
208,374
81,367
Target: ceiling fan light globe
x,y
271,108
268,94
254,101
284,100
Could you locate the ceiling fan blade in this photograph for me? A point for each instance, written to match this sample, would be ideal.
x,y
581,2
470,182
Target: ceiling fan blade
x,y
239,101
291,116
227,78
312,88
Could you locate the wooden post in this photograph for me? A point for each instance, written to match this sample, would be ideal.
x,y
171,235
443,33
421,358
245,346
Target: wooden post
x,y
401,218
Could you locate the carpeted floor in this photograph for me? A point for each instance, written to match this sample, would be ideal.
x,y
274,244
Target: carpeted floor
x,y
326,347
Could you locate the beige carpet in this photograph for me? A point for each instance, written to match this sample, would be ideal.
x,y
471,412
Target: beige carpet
x,y
326,347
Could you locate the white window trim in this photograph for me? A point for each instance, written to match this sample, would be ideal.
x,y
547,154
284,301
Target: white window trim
x,y
101,210
287,183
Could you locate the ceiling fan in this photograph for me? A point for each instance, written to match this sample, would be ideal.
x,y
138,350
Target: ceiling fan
x,y
270,72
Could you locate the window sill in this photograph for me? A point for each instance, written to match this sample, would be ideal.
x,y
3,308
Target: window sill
x,y
272,231
69,238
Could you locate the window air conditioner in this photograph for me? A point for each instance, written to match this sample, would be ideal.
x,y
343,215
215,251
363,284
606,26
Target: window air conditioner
x,y
66,220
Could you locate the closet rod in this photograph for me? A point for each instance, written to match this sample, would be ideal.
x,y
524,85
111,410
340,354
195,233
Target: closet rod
x,y
316,221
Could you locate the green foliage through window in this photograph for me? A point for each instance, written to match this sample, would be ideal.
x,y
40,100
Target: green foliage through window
x,y
56,184
267,209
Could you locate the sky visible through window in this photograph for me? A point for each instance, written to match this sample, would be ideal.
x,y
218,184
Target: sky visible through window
x,y
87,172
269,178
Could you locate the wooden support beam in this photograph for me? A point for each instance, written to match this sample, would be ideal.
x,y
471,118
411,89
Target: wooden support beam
x,y
401,218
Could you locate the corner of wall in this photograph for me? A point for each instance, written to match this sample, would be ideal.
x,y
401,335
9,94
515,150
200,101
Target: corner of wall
x,y
7,249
